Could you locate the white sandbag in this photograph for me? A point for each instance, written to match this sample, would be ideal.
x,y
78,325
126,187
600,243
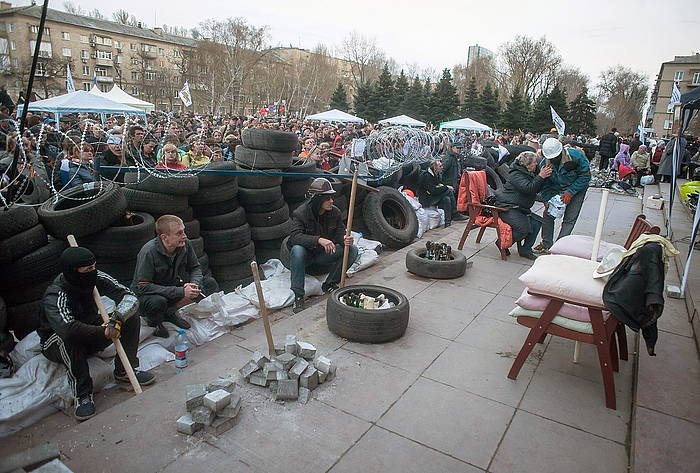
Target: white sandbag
x,y
277,288
203,331
423,222
436,217
225,310
153,355
363,243
26,349
365,259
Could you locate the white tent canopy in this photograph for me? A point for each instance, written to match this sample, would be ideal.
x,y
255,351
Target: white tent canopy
x,y
335,116
80,102
403,120
465,124
118,95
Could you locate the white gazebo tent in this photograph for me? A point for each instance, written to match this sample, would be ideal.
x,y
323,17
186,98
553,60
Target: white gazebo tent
x,y
465,124
402,120
335,116
118,95
80,102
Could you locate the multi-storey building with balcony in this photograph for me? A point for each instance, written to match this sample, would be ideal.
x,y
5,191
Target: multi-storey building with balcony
x,y
685,72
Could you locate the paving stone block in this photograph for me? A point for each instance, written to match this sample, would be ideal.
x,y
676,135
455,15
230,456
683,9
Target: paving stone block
x,y
323,364
290,344
217,400
258,378
203,415
321,377
259,359
194,394
227,384
187,425
273,387
249,368
233,408
298,368
270,371
281,375
278,364
287,390
309,378
287,360
304,395
220,425
306,350
279,348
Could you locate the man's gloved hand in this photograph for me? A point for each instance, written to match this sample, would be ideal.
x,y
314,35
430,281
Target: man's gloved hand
x,y
566,197
113,327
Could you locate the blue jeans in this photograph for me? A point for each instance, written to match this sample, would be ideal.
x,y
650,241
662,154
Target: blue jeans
x,y
568,222
300,258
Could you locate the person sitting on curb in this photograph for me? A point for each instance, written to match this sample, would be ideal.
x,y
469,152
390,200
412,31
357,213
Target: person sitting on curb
x,y
167,275
71,329
433,192
317,237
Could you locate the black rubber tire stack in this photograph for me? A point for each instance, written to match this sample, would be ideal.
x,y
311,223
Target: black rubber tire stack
x,y
225,234
388,218
262,197
294,189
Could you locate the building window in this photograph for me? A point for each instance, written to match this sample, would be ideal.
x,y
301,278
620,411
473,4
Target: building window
x,y
150,75
2,26
86,70
40,69
86,86
134,90
161,52
162,92
668,124
104,54
176,53
13,45
678,76
15,62
119,59
696,78
66,52
83,39
134,75
44,48
47,32
65,35
100,71
84,54
134,61
104,87
133,47
10,27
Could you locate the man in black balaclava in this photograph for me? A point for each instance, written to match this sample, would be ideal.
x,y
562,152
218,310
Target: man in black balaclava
x,y
317,238
71,329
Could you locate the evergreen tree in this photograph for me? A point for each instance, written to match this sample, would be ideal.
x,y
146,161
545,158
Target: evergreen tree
x,y
557,100
582,114
541,117
427,100
490,108
515,115
444,102
471,106
413,104
339,99
527,114
400,92
363,96
381,103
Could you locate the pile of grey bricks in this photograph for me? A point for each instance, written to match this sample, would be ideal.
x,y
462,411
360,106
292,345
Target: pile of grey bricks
x,y
293,373
213,407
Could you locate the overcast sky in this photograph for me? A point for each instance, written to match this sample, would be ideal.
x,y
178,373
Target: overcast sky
x,y
591,34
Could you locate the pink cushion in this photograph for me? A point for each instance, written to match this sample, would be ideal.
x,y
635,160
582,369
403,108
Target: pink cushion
x,y
570,311
581,246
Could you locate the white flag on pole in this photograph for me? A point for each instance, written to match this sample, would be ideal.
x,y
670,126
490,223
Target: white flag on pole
x,y
70,86
675,98
184,95
558,122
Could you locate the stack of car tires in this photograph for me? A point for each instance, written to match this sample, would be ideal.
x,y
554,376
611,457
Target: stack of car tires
x,y
266,210
294,188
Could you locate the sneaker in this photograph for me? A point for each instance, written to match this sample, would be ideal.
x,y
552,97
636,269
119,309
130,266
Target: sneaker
x,y
328,287
143,377
84,408
161,331
459,217
177,321
541,250
529,255
298,305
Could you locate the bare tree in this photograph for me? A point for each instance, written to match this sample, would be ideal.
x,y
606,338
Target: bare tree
x,y
124,17
571,79
365,57
96,13
482,69
73,8
529,65
622,93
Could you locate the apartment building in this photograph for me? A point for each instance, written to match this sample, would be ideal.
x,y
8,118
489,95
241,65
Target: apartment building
x,y
684,71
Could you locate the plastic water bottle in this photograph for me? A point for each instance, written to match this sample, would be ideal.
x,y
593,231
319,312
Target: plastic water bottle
x,y
181,349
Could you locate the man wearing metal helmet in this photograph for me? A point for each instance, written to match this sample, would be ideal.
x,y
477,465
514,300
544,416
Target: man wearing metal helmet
x,y
318,238
571,174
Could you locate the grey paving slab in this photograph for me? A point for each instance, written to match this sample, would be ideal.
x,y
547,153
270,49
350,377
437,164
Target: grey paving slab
x,y
363,387
399,279
534,444
460,424
514,288
457,293
386,452
665,443
290,437
205,457
496,336
498,309
481,372
578,403
413,352
446,320
675,317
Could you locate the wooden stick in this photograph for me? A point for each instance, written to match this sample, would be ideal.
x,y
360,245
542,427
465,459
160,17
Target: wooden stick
x,y
348,228
117,343
263,309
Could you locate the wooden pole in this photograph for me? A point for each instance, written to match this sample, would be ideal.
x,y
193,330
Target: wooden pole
x,y
348,228
117,343
263,309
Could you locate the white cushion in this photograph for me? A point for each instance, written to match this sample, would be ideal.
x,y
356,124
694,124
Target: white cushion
x,y
565,277
581,246
575,325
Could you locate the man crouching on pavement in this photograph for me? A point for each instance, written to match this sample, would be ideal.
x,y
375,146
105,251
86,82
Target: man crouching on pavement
x,y
167,275
71,329
317,237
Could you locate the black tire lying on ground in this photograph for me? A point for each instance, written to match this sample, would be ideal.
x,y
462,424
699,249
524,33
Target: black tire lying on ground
x,y
262,159
259,182
154,202
227,239
214,194
16,219
268,219
272,140
63,216
271,233
367,325
454,268
39,265
181,185
22,243
23,319
232,219
201,211
123,239
259,196
206,180
390,218
192,229
266,207
238,256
